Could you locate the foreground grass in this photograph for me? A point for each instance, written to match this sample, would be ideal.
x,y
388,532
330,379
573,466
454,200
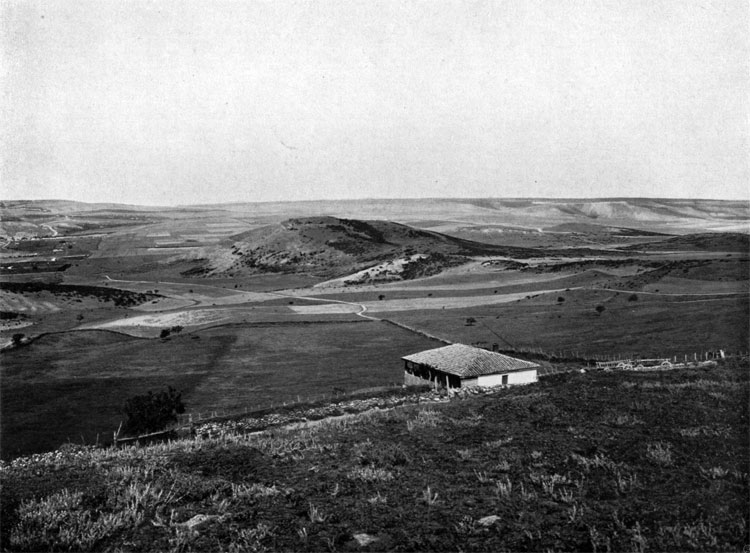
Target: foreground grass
x,y
586,462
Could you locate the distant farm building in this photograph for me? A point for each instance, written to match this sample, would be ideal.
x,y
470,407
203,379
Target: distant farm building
x,y
458,366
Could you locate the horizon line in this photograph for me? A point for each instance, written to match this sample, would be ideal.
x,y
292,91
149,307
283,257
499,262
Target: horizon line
x,y
388,199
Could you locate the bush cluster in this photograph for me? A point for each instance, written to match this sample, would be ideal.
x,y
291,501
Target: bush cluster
x,y
152,411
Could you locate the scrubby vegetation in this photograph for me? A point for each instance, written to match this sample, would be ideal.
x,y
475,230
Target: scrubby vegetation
x,y
429,265
152,411
589,462
121,298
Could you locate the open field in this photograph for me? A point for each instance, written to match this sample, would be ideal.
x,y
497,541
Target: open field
x,y
652,325
673,285
71,386
652,461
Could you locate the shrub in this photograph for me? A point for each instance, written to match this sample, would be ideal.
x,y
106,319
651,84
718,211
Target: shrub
x,y
600,309
152,412
633,297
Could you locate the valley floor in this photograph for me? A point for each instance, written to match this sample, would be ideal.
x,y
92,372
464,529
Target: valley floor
x,y
229,349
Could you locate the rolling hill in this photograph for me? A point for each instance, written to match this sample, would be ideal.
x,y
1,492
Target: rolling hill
x,y
330,247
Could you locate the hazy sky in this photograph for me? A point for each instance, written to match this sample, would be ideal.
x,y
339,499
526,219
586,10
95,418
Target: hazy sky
x,y
189,102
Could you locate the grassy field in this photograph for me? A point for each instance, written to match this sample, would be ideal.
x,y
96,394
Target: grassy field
x,y
71,386
649,325
578,462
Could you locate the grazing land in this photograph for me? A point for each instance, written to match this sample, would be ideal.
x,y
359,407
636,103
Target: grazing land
x,y
651,326
580,462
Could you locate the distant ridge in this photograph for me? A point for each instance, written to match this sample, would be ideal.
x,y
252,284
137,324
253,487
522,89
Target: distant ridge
x,y
724,242
443,215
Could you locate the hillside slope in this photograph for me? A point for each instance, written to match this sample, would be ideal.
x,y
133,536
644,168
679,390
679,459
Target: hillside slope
x,y
622,461
329,246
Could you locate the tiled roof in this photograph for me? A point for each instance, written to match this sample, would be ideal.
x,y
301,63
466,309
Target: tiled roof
x,y
466,361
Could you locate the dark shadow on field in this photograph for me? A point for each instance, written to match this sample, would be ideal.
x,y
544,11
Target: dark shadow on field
x,y
71,386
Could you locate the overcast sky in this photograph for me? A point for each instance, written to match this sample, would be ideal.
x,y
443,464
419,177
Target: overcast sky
x,y
191,102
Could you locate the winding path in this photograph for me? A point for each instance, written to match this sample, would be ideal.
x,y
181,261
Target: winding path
x,y
360,313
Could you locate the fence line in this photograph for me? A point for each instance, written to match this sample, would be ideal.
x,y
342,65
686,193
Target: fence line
x,y
579,356
301,400
417,331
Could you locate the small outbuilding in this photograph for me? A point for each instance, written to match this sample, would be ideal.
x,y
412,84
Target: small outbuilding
x,y
459,366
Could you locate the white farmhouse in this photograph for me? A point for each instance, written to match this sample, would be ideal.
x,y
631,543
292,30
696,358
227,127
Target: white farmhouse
x,y
459,365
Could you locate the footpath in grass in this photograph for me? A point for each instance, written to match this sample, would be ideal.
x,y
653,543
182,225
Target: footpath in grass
x,y
636,461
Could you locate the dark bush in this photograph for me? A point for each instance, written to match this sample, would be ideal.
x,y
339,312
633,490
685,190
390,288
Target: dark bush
x,y
152,412
633,297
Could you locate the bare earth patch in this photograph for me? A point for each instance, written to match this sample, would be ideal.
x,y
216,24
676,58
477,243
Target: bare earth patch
x,y
163,320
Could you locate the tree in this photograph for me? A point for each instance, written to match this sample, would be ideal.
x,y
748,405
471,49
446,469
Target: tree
x,y
165,332
18,338
633,297
600,309
470,321
152,411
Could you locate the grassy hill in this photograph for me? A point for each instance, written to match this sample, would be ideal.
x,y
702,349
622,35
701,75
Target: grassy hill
x,y
329,246
587,462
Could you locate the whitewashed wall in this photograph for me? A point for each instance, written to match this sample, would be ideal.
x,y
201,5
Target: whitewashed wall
x,y
519,377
